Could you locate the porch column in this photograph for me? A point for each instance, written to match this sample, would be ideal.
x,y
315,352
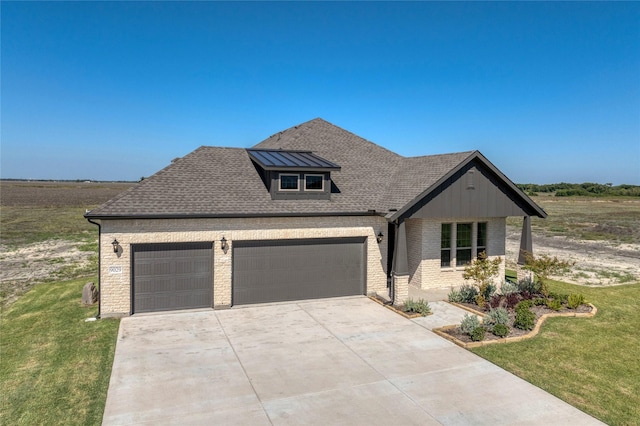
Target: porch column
x,y
400,270
526,246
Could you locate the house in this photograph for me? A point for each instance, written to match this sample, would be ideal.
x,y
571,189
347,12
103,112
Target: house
x,y
311,212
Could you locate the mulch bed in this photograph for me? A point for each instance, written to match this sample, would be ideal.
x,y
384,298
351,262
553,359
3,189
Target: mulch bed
x,y
539,311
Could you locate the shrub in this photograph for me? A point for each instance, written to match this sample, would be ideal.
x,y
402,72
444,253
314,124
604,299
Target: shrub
x,y
468,293
543,267
489,291
540,301
497,301
500,330
477,335
559,296
525,319
480,300
524,304
496,316
482,271
512,300
509,288
469,323
554,304
419,307
529,286
575,300
455,296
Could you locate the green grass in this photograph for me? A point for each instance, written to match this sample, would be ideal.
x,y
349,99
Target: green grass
x,y
22,226
55,367
590,363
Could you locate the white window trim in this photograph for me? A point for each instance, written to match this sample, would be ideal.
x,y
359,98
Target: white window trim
x,y
313,190
280,188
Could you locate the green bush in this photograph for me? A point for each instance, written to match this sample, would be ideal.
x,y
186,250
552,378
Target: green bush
x,y
455,296
489,291
469,323
575,300
477,335
468,293
540,301
554,304
529,286
509,288
525,319
562,297
500,330
419,307
496,316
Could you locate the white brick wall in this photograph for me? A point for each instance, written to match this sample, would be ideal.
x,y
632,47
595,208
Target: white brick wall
x,y
428,273
116,287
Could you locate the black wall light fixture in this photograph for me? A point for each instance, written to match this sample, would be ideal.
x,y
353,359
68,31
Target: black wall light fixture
x,y
379,237
223,243
115,245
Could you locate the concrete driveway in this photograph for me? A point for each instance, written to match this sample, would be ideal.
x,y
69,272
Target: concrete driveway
x,y
336,361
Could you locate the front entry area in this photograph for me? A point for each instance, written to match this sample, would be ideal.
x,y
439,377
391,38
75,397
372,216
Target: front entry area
x,y
283,270
172,276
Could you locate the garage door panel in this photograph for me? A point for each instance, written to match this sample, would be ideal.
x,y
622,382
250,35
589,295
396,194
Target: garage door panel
x,y
172,276
268,271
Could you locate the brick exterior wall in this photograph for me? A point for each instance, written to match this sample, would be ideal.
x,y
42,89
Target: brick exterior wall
x,y
425,266
115,269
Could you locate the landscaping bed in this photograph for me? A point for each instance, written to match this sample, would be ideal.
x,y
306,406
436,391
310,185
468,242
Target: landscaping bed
x,y
513,314
456,335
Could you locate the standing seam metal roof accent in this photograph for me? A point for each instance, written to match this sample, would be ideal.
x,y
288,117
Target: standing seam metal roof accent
x,y
297,159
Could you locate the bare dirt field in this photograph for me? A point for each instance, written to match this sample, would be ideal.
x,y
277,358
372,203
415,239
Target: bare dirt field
x,y
596,262
43,234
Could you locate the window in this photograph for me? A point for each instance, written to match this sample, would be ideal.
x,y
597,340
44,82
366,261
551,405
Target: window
x,y
463,243
289,182
481,238
445,245
313,182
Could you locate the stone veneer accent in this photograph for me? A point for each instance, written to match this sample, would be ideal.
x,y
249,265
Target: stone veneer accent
x,y
115,288
423,240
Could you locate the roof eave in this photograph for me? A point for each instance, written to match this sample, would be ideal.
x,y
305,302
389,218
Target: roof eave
x,y
227,215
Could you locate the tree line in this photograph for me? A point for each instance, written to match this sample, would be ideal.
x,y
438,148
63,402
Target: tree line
x,y
587,189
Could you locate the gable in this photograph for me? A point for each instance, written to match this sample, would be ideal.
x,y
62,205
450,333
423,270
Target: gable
x,y
474,190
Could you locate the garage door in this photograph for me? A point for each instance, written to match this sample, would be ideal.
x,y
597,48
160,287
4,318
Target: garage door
x,y
279,270
172,276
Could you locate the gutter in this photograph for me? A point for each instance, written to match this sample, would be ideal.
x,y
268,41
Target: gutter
x,y
99,261
230,215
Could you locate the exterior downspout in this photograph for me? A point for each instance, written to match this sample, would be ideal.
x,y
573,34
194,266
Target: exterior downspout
x,y
99,262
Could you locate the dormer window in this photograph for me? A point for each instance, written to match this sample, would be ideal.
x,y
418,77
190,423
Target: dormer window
x,y
313,182
294,175
288,182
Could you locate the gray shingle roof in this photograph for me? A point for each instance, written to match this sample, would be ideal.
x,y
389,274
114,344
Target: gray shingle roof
x,y
214,181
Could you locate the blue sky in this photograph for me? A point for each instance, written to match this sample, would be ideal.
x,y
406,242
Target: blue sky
x,y
549,92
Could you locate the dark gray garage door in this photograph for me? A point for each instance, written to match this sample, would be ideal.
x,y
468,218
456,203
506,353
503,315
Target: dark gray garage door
x,y
172,276
279,270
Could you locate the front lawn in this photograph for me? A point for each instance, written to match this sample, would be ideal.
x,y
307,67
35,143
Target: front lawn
x,y
590,363
55,367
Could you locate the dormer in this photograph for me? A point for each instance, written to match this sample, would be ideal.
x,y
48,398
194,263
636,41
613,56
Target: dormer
x,y
294,175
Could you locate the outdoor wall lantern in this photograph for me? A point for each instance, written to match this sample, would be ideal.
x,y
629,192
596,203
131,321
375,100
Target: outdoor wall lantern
x,y
115,245
379,237
223,243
